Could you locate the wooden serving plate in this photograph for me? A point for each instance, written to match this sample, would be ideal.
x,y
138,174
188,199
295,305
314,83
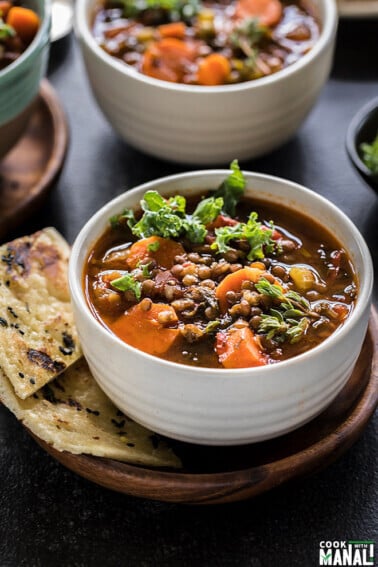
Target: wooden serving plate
x,y
29,170
214,475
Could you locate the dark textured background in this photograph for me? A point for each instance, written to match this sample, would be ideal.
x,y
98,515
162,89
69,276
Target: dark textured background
x,y
49,516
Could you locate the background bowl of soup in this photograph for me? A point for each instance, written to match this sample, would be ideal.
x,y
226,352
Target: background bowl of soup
x,y
221,406
206,124
20,79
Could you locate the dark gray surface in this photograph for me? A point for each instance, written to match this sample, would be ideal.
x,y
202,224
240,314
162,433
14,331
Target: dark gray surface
x,y
48,515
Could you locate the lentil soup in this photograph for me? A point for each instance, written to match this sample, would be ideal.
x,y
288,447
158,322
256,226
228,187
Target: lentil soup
x,y
214,282
206,43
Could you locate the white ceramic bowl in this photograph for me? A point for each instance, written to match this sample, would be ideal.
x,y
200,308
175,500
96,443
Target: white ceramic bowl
x,y
219,406
207,125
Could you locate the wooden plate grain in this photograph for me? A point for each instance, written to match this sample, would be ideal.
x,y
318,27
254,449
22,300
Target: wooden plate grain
x,y
29,170
214,475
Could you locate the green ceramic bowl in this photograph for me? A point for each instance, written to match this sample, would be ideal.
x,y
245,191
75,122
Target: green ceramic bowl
x,y
19,82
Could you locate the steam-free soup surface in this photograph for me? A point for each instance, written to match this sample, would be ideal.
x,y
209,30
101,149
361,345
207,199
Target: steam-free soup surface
x,y
206,43
222,303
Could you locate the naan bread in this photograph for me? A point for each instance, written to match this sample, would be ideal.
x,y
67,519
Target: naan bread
x,y
38,339
73,414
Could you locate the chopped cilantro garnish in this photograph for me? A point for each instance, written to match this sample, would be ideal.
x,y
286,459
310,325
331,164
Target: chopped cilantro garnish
x,y
128,283
207,210
168,218
6,30
153,246
178,9
247,34
125,218
258,236
370,155
232,189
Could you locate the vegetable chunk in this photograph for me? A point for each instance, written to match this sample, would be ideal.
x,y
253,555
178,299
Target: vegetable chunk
x,y
233,282
239,348
162,250
24,21
146,329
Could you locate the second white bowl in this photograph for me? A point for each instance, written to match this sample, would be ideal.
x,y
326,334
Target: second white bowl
x,y
207,125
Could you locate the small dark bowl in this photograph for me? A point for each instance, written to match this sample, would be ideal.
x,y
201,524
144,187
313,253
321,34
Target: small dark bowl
x,y
363,128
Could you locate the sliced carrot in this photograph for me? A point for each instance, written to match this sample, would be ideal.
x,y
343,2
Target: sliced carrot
x,y
213,70
239,348
221,220
162,250
143,329
268,12
175,29
168,59
5,6
24,21
233,282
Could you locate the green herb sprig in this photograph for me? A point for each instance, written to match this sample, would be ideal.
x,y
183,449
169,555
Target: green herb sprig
x,y
370,155
232,189
258,236
289,319
176,9
6,31
168,217
128,281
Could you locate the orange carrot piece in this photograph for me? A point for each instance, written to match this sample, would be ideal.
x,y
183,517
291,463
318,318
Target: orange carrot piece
x,y
233,282
162,250
239,348
143,330
24,21
5,6
213,70
168,59
268,12
175,29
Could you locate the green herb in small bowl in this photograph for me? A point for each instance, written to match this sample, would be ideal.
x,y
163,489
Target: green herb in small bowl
x,y
369,155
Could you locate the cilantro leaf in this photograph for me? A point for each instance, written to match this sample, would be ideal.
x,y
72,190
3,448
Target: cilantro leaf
x,y
195,231
207,210
370,155
153,246
128,283
232,189
152,201
247,35
258,236
178,9
6,30
126,217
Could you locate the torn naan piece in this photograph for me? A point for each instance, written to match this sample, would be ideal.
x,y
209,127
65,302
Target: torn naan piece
x,y
73,414
38,338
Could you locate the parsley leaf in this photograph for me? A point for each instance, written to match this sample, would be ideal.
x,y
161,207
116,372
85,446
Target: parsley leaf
x,y
247,35
6,30
126,217
258,236
370,155
178,9
232,189
128,283
207,210
195,231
